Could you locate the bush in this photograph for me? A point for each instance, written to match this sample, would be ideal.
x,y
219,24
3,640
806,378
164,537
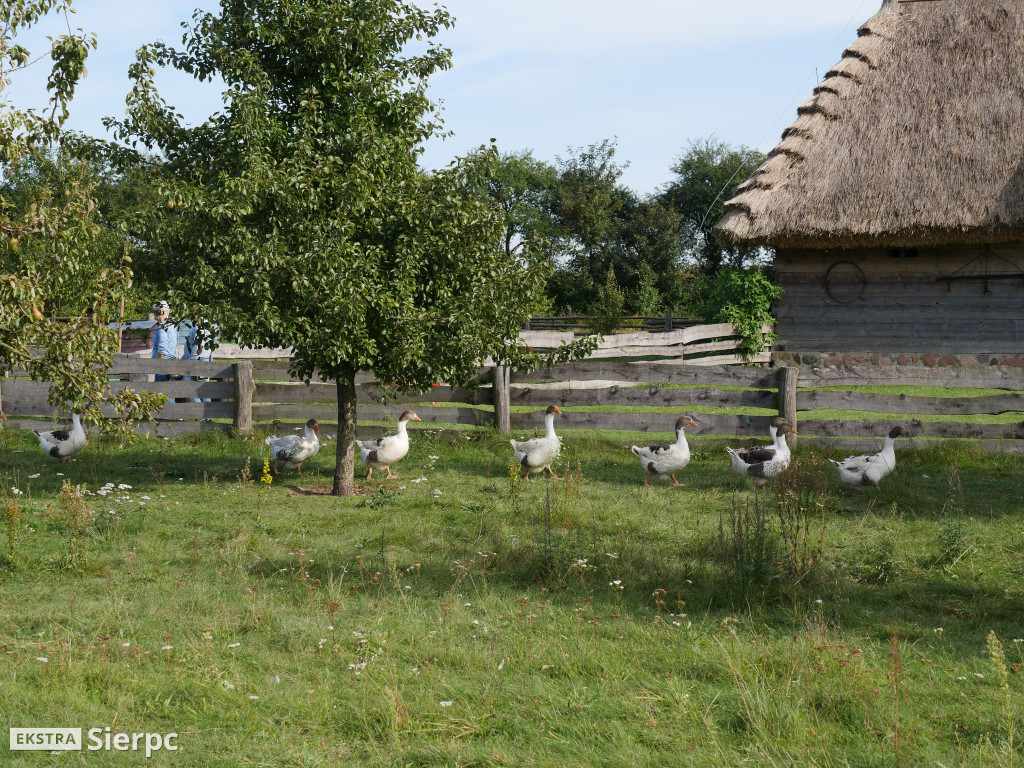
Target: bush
x,y
743,297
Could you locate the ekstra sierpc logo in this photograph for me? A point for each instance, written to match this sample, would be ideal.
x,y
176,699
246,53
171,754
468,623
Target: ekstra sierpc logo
x,y
96,739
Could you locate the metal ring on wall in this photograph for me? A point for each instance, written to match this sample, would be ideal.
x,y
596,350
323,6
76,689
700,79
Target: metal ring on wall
x,y
846,285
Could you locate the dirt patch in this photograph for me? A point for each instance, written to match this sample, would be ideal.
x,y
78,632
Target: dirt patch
x,y
322,490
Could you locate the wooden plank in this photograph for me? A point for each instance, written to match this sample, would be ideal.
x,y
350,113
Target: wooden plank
x,y
236,352
284,412
502,400
208,370
988,377
714,346
32,391
546,339
707,424
787,402
244,386
764,357
648,396
915,428
651,372
297,392
952,406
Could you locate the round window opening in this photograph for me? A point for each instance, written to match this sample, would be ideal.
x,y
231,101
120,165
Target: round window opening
x,y
844,282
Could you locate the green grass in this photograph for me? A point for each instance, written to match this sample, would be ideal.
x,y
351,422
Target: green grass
x,y
467,620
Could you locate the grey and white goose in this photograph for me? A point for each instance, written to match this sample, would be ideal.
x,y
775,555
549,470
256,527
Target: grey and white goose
x,y
385,451
762,463
63,443
870,468
295,449
665,460
538,454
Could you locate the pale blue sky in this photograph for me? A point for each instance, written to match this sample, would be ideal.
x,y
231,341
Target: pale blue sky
x,y
546,75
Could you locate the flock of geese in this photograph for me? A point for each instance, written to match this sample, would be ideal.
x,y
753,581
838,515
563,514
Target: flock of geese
x,y
759,463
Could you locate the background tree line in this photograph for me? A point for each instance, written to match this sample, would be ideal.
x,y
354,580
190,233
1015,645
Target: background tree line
x,y
606,250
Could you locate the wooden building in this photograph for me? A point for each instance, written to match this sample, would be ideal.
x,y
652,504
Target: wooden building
x,y
895,201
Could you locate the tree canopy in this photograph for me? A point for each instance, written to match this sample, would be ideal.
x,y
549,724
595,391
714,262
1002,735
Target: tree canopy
x,y
707,174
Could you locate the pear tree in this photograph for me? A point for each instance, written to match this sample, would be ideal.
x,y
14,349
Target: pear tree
x,y
297,216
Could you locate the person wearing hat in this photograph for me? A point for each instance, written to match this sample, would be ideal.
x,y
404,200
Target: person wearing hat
x,y
165,336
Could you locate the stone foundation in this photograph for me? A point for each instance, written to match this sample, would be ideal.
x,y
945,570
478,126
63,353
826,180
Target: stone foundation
x,y
945,360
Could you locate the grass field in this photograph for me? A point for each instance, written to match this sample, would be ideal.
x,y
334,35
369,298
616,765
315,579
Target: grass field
x,y
458,617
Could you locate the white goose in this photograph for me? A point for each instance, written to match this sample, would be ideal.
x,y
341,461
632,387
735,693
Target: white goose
x,y
665,460
295,449
870,468
762,463
385,451
62,443
537,454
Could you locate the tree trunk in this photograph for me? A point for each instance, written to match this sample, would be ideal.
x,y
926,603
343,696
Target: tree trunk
x,y
344,468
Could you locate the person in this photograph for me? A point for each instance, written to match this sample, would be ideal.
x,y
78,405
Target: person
x,y
165,336
199,345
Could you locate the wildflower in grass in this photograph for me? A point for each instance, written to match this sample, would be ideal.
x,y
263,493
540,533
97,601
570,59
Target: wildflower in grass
x,y
266,478
617,584
33,477
447,703
233,645
16,491
124,487
228,685
253,698
938,630
42,659
167,647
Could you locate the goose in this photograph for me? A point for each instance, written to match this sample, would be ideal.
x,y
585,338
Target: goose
x,y
62,443
385,451
667,459
537,454
762,463
870,468
295,449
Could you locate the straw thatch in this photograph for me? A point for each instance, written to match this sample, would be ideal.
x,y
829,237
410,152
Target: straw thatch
x,y
915,137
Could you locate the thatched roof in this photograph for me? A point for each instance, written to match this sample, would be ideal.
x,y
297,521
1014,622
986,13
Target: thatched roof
x,y
916,136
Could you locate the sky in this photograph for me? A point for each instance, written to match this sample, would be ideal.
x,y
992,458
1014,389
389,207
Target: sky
x,y
547,76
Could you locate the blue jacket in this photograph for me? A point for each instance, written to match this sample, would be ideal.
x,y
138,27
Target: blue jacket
x,y
165,342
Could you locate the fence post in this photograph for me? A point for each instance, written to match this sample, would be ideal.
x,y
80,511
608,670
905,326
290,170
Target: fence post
x,y
502,412
788,377
244,386
668,321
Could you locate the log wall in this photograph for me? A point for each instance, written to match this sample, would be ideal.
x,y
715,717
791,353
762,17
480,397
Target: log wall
x,y
967,299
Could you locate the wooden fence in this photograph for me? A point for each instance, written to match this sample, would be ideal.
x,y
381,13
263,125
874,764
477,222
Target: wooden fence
x,y
612,391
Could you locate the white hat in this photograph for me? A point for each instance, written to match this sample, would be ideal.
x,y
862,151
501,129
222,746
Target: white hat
x,y
161,306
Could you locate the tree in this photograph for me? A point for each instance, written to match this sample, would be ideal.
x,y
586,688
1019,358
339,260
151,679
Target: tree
x,y
55,176
708,172
48,237
604,231
298,217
